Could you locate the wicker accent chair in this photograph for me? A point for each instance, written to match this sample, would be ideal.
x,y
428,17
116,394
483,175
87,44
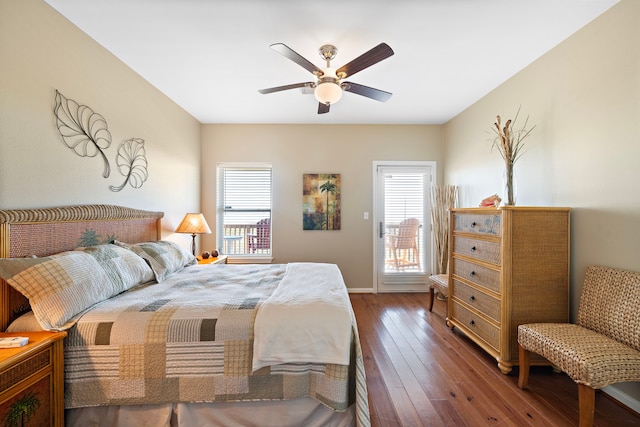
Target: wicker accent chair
x,y
440,283
602,348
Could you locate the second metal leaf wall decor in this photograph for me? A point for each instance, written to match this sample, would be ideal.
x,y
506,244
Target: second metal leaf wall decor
x,y
85,132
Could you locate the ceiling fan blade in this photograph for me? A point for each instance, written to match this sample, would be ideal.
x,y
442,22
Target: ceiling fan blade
x,y
287,52
322,108
285,87
369,92
367,59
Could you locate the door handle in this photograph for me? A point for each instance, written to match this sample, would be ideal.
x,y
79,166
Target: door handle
x,y
381,229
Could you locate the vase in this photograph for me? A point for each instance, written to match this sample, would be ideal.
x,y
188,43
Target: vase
x,y
509,186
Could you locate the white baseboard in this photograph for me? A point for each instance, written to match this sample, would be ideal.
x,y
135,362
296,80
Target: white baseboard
x,y
360,290
370,291
623,397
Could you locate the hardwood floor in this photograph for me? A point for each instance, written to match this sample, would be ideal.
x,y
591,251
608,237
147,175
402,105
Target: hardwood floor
x,y
419,373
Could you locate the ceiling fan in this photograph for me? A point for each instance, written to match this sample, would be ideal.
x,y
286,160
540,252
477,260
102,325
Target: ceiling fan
x,y
329,82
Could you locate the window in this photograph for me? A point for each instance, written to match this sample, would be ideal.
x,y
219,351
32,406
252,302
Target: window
x,y
404,216
244,210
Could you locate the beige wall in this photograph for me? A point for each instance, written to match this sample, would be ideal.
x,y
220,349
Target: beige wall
x,y
584,98
297,149
40,51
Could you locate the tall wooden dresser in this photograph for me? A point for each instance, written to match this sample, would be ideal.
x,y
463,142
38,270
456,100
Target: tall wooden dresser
x,y
508,266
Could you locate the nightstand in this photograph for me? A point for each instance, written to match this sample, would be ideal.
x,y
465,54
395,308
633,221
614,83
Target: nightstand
x,y
222,259
32,379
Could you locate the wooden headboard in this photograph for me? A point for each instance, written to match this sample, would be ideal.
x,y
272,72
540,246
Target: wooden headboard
x,y
42,232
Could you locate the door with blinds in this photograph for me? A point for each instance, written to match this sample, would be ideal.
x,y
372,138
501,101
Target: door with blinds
x,y
403,253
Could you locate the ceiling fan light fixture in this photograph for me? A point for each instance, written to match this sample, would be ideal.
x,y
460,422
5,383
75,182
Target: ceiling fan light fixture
x,y
329,85
328,92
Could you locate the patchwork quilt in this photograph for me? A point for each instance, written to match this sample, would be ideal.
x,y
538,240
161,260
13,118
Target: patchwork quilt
x,y
190,339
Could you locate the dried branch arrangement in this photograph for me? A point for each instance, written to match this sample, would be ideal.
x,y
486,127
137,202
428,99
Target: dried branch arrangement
x,y
443,198
510,143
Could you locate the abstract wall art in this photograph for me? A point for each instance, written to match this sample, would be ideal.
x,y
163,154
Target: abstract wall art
x,y
321,200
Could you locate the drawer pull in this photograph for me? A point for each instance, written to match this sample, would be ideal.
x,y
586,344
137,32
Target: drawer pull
x,y
473,248
472,323
472,298
472,274
473,224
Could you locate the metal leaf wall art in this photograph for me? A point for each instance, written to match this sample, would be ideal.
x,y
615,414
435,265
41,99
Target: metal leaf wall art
x,y
85,132
132,163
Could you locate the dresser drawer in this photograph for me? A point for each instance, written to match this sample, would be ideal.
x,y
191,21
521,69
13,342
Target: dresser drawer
x,y
477,223
482,302
478,249
474,323
36,396
28,383
477,274
26,368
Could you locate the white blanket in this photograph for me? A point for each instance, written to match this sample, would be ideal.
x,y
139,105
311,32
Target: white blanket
x,y
307,319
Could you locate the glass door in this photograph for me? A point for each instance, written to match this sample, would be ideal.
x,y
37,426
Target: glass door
x,y
403,225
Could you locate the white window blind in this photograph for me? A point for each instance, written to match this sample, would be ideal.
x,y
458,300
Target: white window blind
x,y
244,213
404,197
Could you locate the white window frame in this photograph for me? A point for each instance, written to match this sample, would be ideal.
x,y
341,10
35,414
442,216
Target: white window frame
x,y
240,258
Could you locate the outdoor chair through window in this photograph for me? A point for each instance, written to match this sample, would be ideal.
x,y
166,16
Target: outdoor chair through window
x,y
404,245
261,240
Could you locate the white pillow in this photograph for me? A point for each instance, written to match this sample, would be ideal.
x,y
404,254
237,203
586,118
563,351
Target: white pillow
x,y
25,323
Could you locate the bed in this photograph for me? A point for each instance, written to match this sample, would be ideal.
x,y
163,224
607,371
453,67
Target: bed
x,y
156,339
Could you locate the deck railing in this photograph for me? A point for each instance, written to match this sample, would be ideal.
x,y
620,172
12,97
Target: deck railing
x,y
236,242
236,239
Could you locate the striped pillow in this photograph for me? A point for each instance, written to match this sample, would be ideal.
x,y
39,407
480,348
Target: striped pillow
x,y
60,287
165,258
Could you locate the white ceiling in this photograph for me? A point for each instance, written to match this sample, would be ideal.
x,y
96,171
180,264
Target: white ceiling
x,y
212,56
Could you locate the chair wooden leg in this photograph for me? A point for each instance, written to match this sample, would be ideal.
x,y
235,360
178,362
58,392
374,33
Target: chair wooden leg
x,y
396,262
432,295
586,404
523,377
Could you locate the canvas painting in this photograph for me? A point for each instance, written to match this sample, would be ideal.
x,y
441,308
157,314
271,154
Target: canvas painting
x,y
321,201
